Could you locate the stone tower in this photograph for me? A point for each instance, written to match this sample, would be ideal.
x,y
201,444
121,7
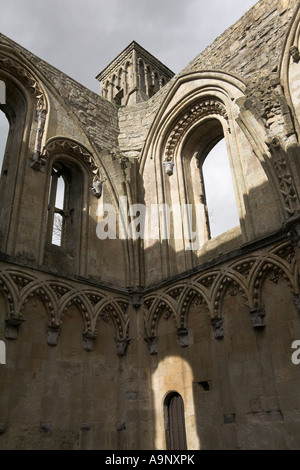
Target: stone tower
x,y
107,335
133,76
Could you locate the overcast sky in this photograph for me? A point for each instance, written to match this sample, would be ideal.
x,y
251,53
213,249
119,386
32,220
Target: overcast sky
x,y
81,37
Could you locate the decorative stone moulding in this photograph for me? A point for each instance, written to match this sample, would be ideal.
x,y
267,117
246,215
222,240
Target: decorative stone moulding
x,y
207,106
25,76
152,343
169,167
136,297
36,162
182,335
74,148
294,52
89,340
257,316
97,188
121,344
218,327
52,334
12,327
292,229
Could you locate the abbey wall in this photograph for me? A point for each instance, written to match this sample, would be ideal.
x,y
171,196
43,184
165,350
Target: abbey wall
x,y
106,336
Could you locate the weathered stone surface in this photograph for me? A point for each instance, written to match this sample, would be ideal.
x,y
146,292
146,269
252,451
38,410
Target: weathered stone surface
x,y
76,317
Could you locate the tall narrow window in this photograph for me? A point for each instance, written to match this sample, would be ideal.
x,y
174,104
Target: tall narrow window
x,y
175,422
220,197
57,207
66,218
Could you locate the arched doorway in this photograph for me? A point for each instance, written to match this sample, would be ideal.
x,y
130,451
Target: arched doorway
x,y
175,422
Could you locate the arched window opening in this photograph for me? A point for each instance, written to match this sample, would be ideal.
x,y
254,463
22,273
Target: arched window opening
x,y
65,206
4,130
57,212
208,180
175,422
66,222
219,192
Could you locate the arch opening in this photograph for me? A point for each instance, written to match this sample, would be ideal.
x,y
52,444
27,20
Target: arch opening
x,y
4,131
208,178
175,422
219,192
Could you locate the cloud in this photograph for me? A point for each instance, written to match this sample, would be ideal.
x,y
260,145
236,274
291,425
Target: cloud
x,y
80,37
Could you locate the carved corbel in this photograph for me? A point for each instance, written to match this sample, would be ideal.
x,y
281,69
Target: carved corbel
x,y
257,317
169,167
136,297
97,188
52,334
152,344
121,344
218,327
89,339
12,327
182,335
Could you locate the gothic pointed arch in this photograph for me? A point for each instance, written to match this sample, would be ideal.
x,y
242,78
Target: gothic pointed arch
x,y
159,306
26,107
114,310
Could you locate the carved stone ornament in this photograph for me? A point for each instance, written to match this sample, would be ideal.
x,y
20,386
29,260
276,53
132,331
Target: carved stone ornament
x,y
136,297
89,340
292,229
52,334
97,188
294,52
169,167
121,344
64,145
204,107
257,316
284,173
182,335
218,327
19,71
37,163
152,344
12,327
